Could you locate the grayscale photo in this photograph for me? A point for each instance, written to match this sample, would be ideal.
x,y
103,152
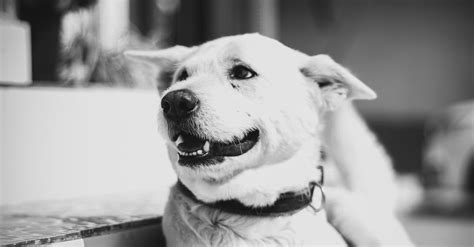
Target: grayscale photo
x,y
236,123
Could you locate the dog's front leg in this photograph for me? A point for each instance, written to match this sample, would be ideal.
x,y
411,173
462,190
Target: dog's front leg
x,y
363,165
361,223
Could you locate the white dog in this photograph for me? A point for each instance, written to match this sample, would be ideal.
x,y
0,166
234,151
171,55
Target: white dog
x,y
243,116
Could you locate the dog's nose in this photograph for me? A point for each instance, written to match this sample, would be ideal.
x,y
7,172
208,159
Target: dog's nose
x,y
179,104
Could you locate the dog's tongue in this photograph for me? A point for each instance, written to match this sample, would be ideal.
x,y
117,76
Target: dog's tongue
x,y
188,143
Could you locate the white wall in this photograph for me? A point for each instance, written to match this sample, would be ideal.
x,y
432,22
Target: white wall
x,y
15,51
65,143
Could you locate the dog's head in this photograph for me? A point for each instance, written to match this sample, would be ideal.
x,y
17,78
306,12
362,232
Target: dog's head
x,y
243,102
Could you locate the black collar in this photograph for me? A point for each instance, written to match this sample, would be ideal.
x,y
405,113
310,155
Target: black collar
x,y
287,203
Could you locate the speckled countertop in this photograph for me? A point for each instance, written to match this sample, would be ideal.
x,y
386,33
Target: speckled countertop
x,y
52,222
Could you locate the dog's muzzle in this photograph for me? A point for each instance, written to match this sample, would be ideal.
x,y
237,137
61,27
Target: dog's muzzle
x,y
180,109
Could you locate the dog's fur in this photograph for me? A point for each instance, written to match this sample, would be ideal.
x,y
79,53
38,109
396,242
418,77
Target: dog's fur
x,y
290,101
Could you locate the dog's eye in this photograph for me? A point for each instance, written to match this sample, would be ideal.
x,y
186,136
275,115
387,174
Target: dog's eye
x,y
183,75
241,72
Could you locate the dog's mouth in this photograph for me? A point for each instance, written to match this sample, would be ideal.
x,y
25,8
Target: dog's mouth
x,y
196,151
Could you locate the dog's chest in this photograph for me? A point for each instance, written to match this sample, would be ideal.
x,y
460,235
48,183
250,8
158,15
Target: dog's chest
x,y
187,223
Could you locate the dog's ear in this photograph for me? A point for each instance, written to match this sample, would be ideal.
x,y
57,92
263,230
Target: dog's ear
x,y
336,83
165,61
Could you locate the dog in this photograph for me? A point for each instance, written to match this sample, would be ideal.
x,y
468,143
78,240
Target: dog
x,y
246,120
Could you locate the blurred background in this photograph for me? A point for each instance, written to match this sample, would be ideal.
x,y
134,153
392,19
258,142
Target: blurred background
x,y
77,119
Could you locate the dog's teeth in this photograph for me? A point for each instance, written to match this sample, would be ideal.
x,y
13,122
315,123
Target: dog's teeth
x,y
195,153
206,146
179,140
